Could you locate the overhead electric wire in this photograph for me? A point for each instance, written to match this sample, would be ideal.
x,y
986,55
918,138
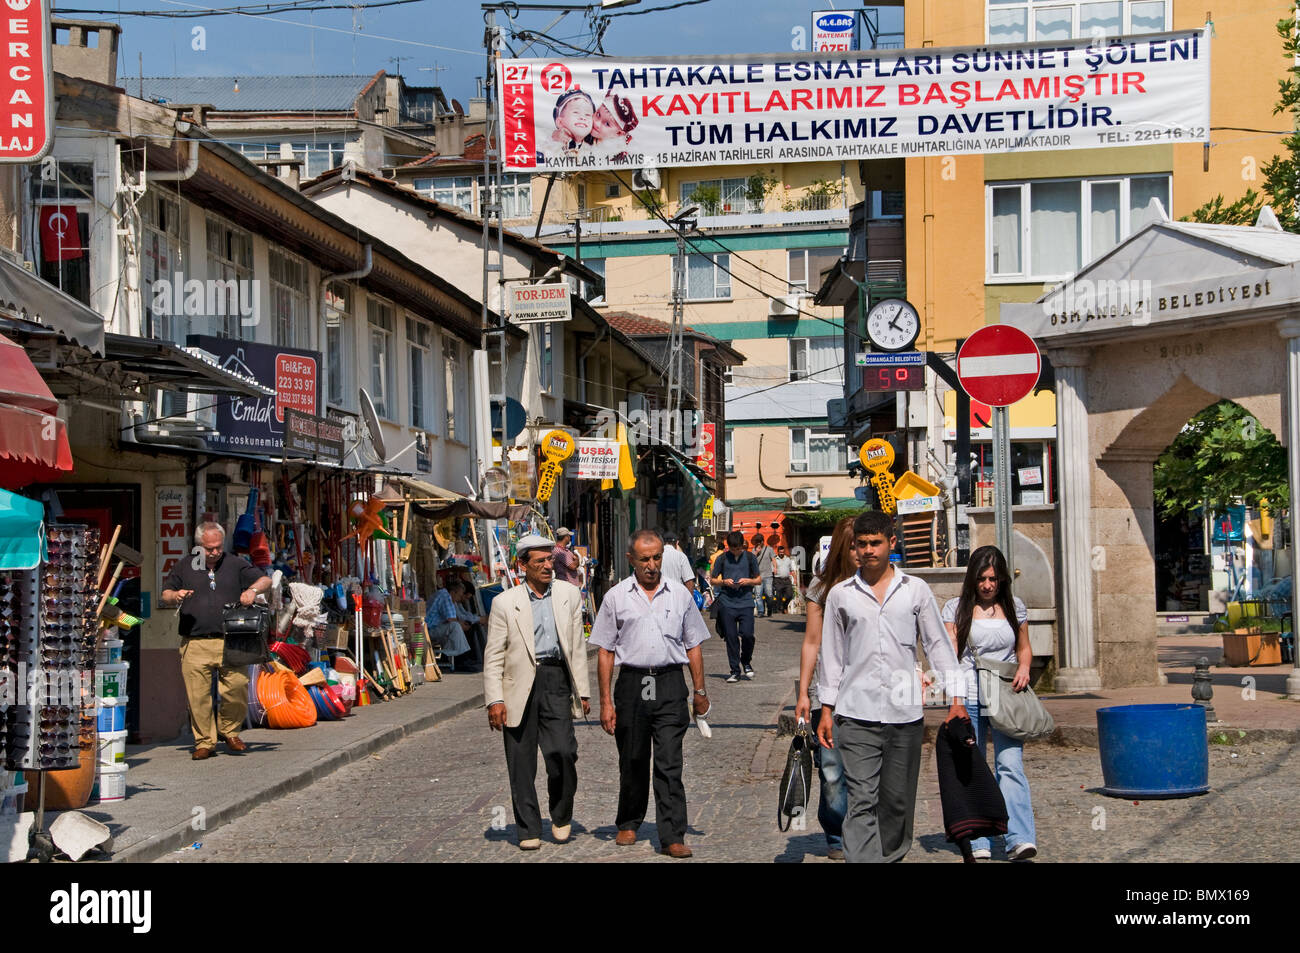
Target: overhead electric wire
x,y
641,13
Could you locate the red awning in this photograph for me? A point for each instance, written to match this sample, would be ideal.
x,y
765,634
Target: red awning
x,y
33,440
750,522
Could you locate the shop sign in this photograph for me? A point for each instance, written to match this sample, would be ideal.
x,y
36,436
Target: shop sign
x,y
521,474
175,537
26,82
1030,476
557,446
834,31
257,424
708,457
306,435
595,459
918,504
584,115
539,304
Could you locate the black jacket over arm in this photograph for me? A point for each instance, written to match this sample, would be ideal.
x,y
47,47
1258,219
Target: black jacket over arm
x,y
972,803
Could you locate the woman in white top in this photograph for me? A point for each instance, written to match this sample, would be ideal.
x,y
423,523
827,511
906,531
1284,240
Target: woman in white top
x,y
979,623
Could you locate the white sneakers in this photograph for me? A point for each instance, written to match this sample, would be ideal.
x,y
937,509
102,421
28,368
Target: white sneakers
x,y
1023,851
981,853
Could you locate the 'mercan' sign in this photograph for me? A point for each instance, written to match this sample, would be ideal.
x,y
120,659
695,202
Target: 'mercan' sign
x,y
26,81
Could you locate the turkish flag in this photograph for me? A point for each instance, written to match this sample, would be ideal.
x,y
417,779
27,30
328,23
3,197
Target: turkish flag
x,y
60,234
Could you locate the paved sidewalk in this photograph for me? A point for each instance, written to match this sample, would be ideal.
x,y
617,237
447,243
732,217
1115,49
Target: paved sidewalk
x,y
172,800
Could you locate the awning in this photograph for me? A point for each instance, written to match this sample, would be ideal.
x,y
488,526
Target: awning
x,y
425,492
26,296
22,532
475,509
33,440
750,522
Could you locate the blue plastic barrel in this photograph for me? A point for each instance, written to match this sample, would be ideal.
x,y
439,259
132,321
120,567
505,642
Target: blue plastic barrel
x,y
1153,751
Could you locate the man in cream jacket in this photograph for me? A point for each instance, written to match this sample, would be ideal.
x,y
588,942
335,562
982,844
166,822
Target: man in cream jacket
x,y
535,682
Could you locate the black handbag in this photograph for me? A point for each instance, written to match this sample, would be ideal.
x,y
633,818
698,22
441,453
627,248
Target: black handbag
x,y
796,782
246,629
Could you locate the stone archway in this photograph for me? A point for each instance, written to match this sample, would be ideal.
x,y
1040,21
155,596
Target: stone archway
x,y
1129,375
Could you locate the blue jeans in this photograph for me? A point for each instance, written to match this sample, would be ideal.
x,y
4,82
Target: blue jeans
x,y
1009,769
833,803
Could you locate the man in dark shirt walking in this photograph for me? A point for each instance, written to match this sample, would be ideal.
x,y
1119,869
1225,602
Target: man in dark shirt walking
x,y
735,574
202,589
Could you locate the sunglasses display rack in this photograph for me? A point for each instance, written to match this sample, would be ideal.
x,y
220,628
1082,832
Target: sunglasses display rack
x,y
51,654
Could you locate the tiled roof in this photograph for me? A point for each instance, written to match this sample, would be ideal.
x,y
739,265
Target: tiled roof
x,y
426,159
639,324
258,93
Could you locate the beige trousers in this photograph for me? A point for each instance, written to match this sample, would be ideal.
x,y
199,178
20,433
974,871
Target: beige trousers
x,y
200,660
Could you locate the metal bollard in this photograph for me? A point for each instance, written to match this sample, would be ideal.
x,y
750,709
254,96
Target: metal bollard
x,y
1203,688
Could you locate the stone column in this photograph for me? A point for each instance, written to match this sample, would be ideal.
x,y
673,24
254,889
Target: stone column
x,y
1077,662
1289,328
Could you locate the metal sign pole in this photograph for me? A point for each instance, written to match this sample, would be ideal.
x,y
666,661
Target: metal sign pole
x,y
1002,485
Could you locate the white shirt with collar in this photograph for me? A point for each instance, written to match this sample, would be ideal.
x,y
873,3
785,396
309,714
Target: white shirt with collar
x,y
648,630
868,662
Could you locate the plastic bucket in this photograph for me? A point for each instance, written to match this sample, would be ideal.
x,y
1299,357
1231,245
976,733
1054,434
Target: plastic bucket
x,y
110,713
108,651
110,680
1153,751
111,781
11,799
112,747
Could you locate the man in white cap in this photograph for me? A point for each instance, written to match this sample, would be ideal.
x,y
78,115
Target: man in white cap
x,y
565,560
535,681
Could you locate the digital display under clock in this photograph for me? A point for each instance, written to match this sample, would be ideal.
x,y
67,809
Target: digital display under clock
x,y
892,377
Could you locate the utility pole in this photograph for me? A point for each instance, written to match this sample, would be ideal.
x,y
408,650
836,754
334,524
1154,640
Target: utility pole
x,y
682,222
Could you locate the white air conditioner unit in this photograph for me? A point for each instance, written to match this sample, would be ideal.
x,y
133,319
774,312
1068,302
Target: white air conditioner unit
x,y
786,306
805,497
646,180
721,519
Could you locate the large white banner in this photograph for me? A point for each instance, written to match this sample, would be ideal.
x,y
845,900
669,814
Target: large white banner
x,y
589,114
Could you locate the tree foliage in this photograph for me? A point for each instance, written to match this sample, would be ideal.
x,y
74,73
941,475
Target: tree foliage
x,y
1282,172
1223,456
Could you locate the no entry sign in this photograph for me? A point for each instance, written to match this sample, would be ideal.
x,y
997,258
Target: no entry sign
x,y
998,365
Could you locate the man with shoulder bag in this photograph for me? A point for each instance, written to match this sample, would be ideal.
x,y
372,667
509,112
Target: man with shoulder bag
x,y
202,588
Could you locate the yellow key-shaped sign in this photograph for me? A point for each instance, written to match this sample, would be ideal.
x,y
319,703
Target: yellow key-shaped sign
x,y
884,485
558,446
877,455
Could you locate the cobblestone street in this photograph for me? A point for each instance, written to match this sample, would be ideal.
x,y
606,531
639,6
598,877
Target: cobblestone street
x,y
442,795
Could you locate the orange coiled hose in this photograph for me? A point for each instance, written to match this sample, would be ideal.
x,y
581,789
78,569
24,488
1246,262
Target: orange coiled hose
x,y
287,703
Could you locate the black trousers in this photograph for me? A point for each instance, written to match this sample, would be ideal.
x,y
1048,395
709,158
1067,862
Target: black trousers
x,y
737,629
651,713
548,724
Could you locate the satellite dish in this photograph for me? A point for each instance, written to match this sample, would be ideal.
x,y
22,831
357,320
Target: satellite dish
x,y
374,435
645,179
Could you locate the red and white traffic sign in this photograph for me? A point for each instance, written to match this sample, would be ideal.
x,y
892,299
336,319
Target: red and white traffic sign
x,y
999,365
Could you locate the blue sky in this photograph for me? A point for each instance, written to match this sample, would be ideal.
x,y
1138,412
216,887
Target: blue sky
x,y
424,34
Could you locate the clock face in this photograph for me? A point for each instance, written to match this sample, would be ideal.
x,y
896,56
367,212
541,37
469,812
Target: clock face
x,y
893,325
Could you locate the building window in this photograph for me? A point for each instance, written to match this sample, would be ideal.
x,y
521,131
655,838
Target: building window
x,y
454,397
817,359
162,265
719,196
612,191
290,300
706,277
729,452
338,342
420,338
516,195
230,259
1050,228
888,204
317,157
382,383
546,358
62,226
584,289
816,451
1019,21
457,190
805,266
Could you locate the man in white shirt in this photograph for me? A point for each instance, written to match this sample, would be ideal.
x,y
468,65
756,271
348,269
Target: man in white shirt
x,y
677,565
871,694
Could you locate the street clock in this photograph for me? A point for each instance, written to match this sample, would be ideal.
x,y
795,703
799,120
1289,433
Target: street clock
x,y
893,325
